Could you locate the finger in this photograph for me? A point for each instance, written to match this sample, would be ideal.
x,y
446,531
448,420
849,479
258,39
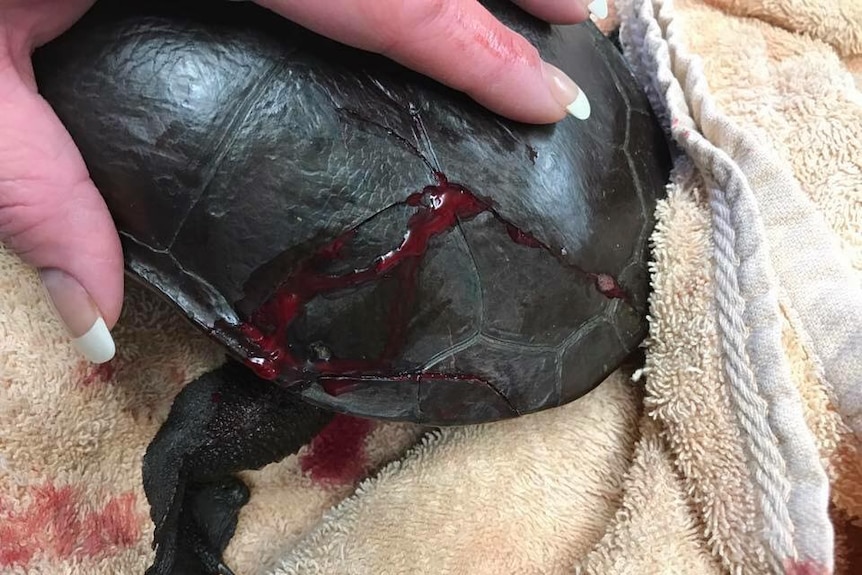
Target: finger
x,y
564,11
457,42
52,216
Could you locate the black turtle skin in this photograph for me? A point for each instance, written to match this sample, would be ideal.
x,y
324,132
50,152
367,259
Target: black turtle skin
x,y
231,146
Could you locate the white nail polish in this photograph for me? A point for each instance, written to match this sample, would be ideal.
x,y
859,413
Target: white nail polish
x,y
580,108
566,92
599,8
78,312
96,345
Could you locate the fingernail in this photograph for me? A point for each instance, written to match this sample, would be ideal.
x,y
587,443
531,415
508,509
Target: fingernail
x,y
599,8
566,92
78,312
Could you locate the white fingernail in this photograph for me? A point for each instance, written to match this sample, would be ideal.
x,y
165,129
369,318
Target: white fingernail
x,y
73,305
96,345
566,92
580,108
599,8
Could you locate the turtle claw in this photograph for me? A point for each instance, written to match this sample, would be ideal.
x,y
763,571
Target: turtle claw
x,y
210,559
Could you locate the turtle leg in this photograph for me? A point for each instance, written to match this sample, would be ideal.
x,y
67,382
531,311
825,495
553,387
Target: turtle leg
x,y
226,421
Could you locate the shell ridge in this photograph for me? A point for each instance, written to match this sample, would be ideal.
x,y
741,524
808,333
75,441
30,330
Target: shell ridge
x,y
228,135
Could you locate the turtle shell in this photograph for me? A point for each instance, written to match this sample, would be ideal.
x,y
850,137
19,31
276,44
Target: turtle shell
x,y
356,231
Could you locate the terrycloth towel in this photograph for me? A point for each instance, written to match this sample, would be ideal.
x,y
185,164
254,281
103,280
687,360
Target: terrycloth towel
x,y
735,449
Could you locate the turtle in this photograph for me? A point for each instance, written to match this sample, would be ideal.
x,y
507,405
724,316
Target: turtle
x,y
359,238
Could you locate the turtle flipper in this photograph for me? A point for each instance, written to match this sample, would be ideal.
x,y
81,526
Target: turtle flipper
x,y
226,421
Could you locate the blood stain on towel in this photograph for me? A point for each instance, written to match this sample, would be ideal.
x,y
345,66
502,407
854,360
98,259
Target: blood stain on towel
x,y
336,456
806,567
53,523
102,373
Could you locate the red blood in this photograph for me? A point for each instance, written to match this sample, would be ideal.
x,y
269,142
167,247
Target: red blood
x,y
523,238
54,524
102,373
114,526
806,567
336,456
439,208
608,286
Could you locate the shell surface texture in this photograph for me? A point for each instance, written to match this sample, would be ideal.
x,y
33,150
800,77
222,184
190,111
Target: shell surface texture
x,y
360,234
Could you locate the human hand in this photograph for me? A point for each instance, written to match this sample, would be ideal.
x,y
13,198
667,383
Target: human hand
x,y
460,44
54,218
50,212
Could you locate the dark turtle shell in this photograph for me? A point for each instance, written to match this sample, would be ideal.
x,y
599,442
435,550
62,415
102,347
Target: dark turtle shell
x,y
360,232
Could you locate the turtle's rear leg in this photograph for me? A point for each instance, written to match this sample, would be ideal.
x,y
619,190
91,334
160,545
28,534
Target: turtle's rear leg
x,y
226,421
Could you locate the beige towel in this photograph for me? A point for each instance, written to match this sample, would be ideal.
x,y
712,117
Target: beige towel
x,y
736,448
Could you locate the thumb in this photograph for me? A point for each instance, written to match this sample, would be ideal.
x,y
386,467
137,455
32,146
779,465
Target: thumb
x,y
53,217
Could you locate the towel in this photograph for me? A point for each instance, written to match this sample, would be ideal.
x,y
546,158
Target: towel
x,y
734,448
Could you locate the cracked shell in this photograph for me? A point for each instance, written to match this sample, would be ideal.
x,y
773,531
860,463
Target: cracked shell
x,y
234,149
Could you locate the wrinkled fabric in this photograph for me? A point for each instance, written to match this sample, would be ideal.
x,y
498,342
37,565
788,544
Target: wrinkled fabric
x,y
735,449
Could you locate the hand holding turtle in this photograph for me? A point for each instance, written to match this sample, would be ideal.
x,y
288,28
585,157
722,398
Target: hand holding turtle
x,y
52,215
